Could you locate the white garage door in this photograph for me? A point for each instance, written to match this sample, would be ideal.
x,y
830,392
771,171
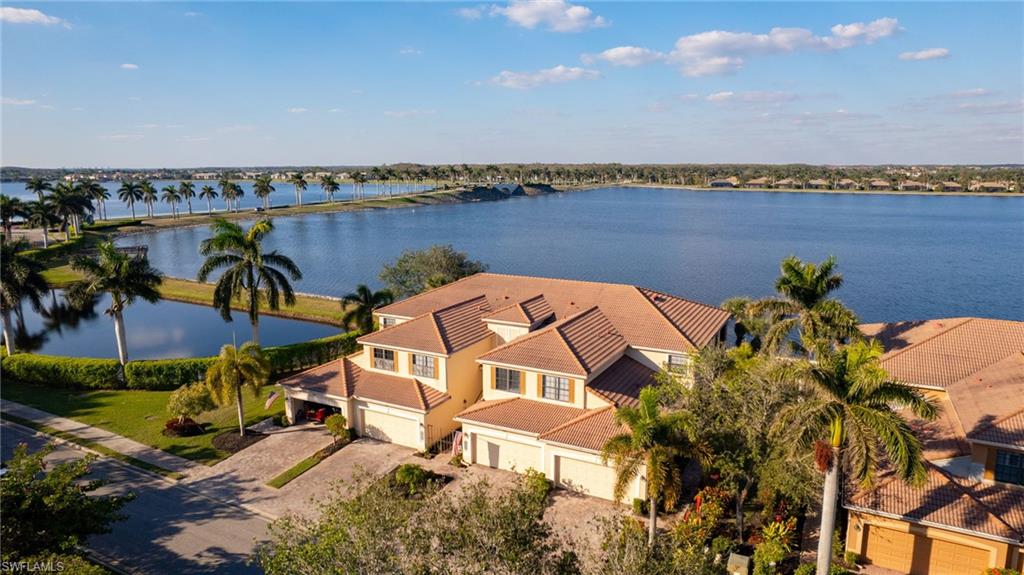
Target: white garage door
x,y
392,428
504,454
585,477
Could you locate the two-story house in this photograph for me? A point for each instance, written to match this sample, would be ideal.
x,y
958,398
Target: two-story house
x,y
969,515
531,369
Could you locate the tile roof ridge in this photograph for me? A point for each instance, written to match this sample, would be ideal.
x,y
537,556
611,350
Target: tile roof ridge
x,y
673,296
419,394
663,316
558,325
423,293
931,337
486,404
537,333
967,493
309,369
349,385
437,331
587,414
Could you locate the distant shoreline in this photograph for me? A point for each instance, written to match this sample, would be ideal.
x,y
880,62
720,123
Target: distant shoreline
x,y
806,191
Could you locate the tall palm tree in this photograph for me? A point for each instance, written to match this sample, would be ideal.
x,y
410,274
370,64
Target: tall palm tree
x,y
70,205
804,305
227,191
171,196
330,186
10,208
248,271
852,422
97,193
187,191
235,369
126,278
747,322
359,306
39,187
21,277
657,444
262,188
40,214
129,193
209,194
358,181
237,193
300,183
149,195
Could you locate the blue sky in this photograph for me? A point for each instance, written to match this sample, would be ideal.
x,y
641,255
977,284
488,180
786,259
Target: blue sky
x,y
202,84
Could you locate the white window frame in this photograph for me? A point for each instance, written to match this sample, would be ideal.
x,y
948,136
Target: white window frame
x,y
556,384
383,362
426,369
509,388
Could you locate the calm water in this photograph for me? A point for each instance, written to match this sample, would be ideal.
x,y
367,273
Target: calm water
x,y
904,257
283,195
154,331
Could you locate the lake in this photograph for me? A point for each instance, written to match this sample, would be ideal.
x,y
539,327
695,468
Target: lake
x,y
903,256
154,331
283,195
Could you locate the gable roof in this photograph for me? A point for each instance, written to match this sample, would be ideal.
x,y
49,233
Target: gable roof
x,y
518,414
590,431
622,381
343,378
990,403
946,500
527,312
576,345
443,331
645,318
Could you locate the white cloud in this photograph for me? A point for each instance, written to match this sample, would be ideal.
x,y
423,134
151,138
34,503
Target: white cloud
x,y
628,56
409,51
557,75
17,102
408,113
989,108
972,93
297,110
336,110
929,54
191,14
129,66
122,137
755,97
848,35
555,15
194,139
148,126
48,107
29,16
471,13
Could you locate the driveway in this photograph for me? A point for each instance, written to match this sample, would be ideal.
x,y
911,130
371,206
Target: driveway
x,y
169,529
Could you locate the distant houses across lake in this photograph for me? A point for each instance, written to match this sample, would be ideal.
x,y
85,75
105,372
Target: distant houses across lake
x,y
875,185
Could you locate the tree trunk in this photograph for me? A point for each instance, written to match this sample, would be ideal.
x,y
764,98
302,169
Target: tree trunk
x,y
256,331
133,210
241,411
652,527
5,320
829,499
122,346
209,207
740,499
46,237
190,206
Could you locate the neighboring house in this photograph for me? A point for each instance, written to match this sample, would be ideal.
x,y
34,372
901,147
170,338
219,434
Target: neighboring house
x,y
846,184
532,370
724,183
912,186
758,183
817,185
989,187
878,185
948,187
969,515
788,183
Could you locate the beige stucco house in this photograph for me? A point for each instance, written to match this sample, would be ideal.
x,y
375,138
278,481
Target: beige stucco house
x,y
530,369
970,513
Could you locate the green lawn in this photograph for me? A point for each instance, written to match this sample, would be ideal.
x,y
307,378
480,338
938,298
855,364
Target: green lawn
x,y
140,415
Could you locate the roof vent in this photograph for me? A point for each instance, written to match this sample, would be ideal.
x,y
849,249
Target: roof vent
x,y
659,297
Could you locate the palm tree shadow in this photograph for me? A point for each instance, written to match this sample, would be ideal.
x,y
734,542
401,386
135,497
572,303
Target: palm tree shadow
x,y
893,336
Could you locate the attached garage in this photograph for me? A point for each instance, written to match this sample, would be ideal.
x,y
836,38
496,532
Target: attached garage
x,y
891,549
506,454
389,427
584,477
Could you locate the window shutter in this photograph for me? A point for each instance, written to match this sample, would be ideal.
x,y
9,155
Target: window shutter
x,y
412,362
436,367
572,388
540,385
522,383
494,377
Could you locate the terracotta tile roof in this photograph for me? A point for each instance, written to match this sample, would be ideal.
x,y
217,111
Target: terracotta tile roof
x,y
671,324
443,331
990,402
576,345
590,431
941,438
343,378
524,415
985,509
818,183
622,381
526,312
939,353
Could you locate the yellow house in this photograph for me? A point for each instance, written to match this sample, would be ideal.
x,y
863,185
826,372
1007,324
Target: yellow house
x,y
969,515
531,370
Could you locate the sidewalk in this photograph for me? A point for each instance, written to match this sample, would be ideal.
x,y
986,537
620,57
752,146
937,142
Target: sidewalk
x,y
107,439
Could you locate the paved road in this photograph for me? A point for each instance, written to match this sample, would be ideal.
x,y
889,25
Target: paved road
x,y
169,529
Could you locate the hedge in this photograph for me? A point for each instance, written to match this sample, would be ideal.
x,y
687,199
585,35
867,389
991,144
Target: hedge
x,y
60,371
162,374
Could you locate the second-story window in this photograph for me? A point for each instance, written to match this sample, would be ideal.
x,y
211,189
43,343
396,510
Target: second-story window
x,y
383,359
423,365
387,322
556,388
678,364
1009,467
506,379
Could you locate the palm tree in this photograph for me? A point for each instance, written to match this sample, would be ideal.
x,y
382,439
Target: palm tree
x,y
124,277
94,191
359,306
10,208
39,214
187,191
300,183
172,196
756,325
149,195
38,186
248,270
804,304
659,444
852,421
358,180
262,188
21,277
129,193
209,194
330,186
70,205
227,191
234,369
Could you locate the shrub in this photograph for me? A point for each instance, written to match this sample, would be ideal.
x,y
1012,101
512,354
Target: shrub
x,y
536,483
289,358
337,426
838,570
806,569
59,371
767,556
851,558
640,506
722,546
412,477
1000,571
165,374
182,427
190,400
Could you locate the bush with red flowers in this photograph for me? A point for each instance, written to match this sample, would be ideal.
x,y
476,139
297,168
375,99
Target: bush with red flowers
x,y
184,427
